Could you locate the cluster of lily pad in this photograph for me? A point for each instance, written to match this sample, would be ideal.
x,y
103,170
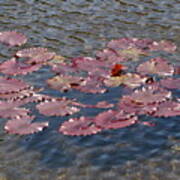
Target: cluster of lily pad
x,y
150,85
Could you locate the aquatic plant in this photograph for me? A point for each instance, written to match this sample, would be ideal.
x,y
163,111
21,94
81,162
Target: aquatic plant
x,y
15,67
150,85
12,38
24,125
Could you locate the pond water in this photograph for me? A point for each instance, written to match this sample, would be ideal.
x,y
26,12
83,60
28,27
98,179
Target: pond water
x,y
80,28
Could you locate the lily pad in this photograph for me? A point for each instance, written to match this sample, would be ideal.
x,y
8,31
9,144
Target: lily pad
x,y
150,95
9,109
14,67
128,105
163,45
168,109
62,107
114,119
170,83
36,55
131,80
91,85
82,126
64,83
8,85
12,38
157,66
24,126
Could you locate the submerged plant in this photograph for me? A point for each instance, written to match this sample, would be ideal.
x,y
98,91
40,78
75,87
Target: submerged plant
x,y
109,68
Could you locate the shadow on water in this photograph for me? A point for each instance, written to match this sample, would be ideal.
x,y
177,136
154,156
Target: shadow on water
x,y
80,28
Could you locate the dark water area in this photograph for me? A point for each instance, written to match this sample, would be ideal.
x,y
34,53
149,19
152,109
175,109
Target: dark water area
x,y
81,28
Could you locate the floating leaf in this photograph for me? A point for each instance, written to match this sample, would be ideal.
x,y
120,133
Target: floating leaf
x,y
158,66
8,85
62,107
64,69
8,109
79,126
13,113
120,44
177,70
92,66
36,55
109,56
91,85
22,94
112,119
87,63
64,83
12,38
128,79
170,83
132,53
14,67
23,126
150,95
168,109
128,105
163,45
32,98
100,104
126,43
56,60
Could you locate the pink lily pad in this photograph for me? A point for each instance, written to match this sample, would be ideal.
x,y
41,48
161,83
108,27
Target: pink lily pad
x,y
8,109
168,109
22,94
64,83
163,45
91,85
92,66
131,80
23,126
126,43
109,56
123,43
64,69
170,83
150,95
82,126
12,38
36,55
9,85
113,120
14,67
100,104
13,113
31,98
57,60
158,66
128,105
177,70
61,107
87,63
132,53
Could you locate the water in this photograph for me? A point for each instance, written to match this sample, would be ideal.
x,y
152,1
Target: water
x,y
80,28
